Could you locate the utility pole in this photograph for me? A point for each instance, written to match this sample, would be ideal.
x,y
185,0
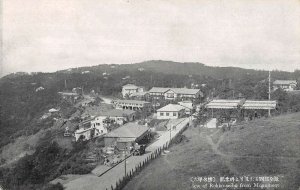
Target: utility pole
x,y
65,84
269,111
171,126
125,160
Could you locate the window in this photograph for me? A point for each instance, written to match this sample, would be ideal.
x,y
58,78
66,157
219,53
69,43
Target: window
x,y
161,113
174,114
170,95
167,114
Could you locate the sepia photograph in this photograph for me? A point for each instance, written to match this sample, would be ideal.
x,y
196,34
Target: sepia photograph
x,y
150,95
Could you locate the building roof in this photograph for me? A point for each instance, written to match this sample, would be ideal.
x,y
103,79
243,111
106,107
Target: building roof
x,y
138,94
250,104
131,101
130,86
53,110
186,104
158,90
68,93
224,104
285,82
117,113
185,91
129,130
176,90
171,107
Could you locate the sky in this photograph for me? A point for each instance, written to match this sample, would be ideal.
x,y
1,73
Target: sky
x,y
50,35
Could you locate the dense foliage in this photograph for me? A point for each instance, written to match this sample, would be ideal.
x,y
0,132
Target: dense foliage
x,y
48,162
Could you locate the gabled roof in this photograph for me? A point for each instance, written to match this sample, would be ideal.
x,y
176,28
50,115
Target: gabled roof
x,y
224,104
171,107
176,90
285,82
117,113
130,86
129,130
248,104
185,91
158,89
131,101
251,104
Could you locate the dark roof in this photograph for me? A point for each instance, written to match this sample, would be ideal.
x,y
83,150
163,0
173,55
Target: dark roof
x,y
129,130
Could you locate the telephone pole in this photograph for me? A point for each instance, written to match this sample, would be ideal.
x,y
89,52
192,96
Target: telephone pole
x,y
269,111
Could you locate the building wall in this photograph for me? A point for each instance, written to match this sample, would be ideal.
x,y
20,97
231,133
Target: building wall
x,y
87,134
131,91
170,95
156,95
170,115
285,87
99,126
132,106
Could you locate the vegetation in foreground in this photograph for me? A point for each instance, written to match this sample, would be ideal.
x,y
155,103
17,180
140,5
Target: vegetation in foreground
x,y
268,147
48,162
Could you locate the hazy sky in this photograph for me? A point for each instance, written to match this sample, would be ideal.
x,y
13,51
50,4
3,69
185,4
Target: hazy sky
x,y
48,35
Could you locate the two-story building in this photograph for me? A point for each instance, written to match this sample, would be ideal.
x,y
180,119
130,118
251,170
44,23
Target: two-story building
x,y
132,104
171,111
175,93
287,85
85,131
129,89
113,116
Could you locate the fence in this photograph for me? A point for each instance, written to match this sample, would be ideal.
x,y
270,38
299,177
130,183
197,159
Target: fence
x,y
120,184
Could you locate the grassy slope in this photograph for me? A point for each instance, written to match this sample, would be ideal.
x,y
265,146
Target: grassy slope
x,y
269,147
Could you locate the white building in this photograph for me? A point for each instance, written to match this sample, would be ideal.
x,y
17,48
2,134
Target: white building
x,y
188,106
85,134
113,116
287,85
129,89
132,104
170,111
175,93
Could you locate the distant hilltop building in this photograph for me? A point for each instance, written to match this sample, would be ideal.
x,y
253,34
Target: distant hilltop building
x,y
286,85
130,89
175,93
85,72
39,89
